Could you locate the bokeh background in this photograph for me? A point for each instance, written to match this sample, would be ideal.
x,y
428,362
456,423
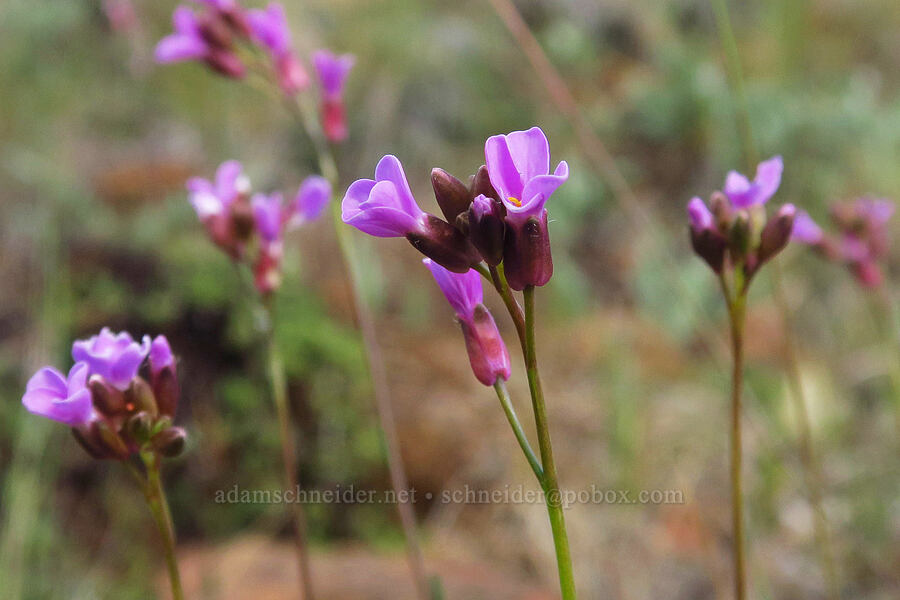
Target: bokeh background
x,y
95,229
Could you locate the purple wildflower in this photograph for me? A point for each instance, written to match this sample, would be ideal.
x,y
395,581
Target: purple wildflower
x,y
212,198
270,29
64,399
268,213
806,230
310,201
488,355
743,193
115,357
384,206
193,40
332,71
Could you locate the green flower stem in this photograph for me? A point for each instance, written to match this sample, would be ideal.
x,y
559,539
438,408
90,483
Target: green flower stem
x,y
305,112
737,303
506,403
551,484
278,382
498,277
151,486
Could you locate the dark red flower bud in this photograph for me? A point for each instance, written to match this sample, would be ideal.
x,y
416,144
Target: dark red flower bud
x,y
139,397
487,351
334,119
526,253
226,63
486,228
709,245
776,234
170,442
107,400
445,245
451,194
481,185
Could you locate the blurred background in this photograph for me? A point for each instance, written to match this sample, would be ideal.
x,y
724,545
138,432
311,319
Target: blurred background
x,y
96,143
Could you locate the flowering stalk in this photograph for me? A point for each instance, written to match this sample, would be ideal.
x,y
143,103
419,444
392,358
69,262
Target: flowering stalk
x,y
736,300
155,495
550,482
278,382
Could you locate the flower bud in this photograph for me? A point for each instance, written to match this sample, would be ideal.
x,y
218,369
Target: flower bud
x,y
451,194
100,441
215,31
721,210
526,253
139,397
225,63
107,400
481,185
334,119
139,426
267,269
709,245
776,233
739,237
444,244
170,442
487,351
486,228
163,377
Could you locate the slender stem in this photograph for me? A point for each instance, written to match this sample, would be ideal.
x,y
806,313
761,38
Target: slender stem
x,y
736,313
890,323
515,311
551,483
506,403
278,382
159,507
305,114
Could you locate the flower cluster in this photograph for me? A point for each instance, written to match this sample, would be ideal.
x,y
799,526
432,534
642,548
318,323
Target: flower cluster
x,y
238,222
861,241
227,38
734,233
498,220
113,409
499,217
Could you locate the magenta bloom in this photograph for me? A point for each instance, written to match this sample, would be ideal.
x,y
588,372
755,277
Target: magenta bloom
x,y
744,193
332,71
270,29
487,352
806,230
63,399
268,213
210,198
191,42
115,357
384,206
519,168
310,201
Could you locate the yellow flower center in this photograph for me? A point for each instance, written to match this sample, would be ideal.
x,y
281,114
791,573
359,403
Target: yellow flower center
x,y
515,201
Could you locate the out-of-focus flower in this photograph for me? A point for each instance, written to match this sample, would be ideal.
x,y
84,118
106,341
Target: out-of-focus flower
x,y
115,357
487,351
519,167
270,29
385,207
733,231
223,208
208,41
862,240
744,193
268,213
60,398
332,71
310,201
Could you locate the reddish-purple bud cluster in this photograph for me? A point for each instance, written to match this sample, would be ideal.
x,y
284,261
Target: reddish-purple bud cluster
x,y
734,232
498,217
861,241
120,397
251,229
224,30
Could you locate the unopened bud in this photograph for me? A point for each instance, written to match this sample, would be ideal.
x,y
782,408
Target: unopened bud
x,y
709,245
445,245
721,210
170,442
139,397
106,399
776,233
486,228
487,351
451,194
139,426
481,185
